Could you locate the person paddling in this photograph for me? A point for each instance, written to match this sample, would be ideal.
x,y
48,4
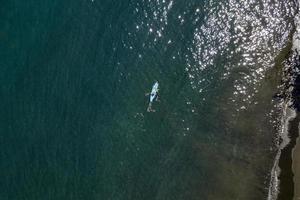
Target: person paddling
x,y
153,96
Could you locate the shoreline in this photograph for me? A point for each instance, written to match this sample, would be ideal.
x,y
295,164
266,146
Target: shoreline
x,y
295,168
286,162
275,184
288,167
289,149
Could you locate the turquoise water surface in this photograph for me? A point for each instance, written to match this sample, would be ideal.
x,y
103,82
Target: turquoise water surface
x,y
73,117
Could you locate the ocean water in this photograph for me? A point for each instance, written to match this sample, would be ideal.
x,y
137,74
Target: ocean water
x,y
73,117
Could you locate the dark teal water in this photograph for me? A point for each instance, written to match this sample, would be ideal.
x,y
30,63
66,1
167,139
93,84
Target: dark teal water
x,y
73,117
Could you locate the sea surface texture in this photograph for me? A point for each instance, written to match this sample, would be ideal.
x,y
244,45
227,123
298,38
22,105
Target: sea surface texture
x,y
73,112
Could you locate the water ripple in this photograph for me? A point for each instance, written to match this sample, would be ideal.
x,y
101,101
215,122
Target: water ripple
x,y
249,34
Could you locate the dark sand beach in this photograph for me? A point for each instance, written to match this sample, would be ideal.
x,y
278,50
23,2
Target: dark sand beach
x,y
296,170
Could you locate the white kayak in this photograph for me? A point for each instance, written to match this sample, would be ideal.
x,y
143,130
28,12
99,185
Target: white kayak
x,y
154,91
153,95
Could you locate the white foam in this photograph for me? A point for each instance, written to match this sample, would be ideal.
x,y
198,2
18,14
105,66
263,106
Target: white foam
x,y
288,114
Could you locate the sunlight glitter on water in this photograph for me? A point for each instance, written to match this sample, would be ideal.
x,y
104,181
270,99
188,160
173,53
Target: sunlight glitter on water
x,y
240,30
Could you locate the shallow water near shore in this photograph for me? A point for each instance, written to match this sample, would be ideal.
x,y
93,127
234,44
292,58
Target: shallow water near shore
x,y
73,108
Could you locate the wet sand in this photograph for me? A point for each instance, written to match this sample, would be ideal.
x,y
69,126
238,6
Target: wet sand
x,y
296,170
284,164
